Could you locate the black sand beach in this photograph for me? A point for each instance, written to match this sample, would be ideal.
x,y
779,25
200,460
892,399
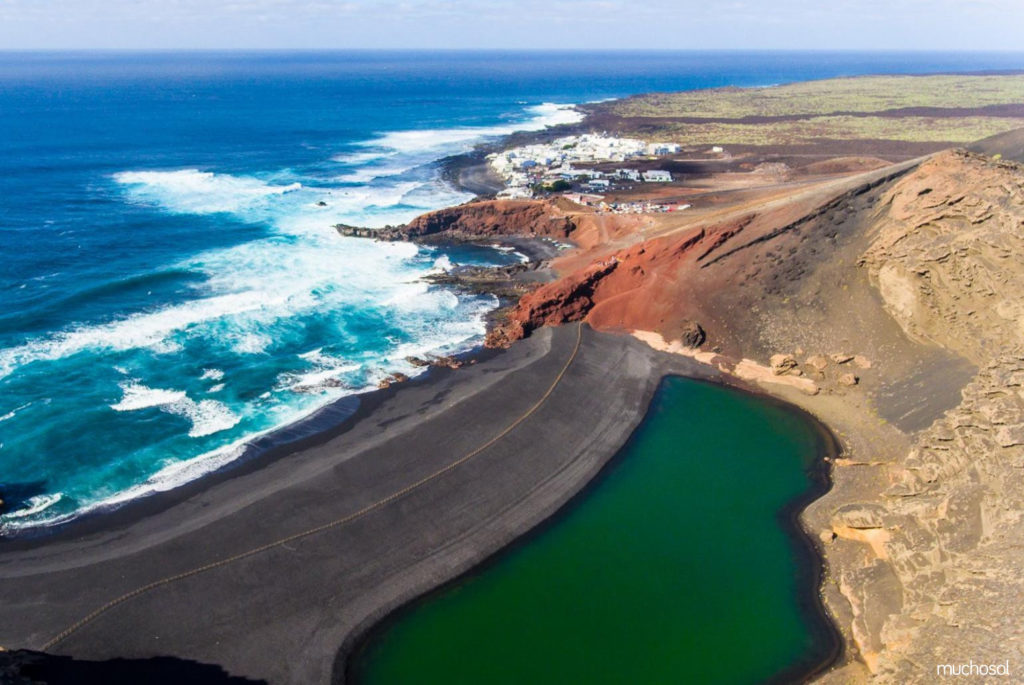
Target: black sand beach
x,y
281,614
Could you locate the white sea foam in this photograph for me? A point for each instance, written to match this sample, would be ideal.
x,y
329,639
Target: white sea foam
x,y
137,396
200,192
14,412
252,285
418,296
207,416
180,472
324,378
312,355
212,375
175,473
250,343
355,158
398,152
137,331
35,505
170,476
511,250
462,138
293,208
386,167
452,338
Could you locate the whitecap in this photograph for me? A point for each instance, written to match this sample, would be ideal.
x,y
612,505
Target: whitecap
x,y
212,375
35,505
394,153
324,375
192,191
206,416
418,296
359,157
140,330
137,396
461,138
14,412
512,251
250,343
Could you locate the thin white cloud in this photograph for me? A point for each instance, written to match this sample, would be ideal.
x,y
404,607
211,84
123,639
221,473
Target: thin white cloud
x,y
595,24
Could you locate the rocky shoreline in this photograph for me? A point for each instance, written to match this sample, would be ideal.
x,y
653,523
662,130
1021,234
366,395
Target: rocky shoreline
x,y
536,229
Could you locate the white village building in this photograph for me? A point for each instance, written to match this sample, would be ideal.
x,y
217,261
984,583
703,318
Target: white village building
x,y
657,176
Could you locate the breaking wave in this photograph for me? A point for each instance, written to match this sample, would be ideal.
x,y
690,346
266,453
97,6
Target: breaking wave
x,y
191,191
399,152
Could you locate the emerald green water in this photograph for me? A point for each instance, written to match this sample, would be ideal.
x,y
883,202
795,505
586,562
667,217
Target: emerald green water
x,y
675,567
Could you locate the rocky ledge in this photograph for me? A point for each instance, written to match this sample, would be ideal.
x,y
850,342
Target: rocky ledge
x,y
521,224
476,221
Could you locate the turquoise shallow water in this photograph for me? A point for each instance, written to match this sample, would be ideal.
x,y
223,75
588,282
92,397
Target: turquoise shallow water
x,y
679,565
171,285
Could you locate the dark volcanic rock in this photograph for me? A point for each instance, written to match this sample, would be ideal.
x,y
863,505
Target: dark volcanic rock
x,y
502,281
564,300
692,334
475,221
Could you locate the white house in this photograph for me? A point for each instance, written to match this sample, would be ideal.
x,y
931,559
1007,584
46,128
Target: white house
x,y
657,176
662,149
516,193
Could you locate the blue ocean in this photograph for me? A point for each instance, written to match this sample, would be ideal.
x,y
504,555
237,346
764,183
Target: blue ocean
x,y
172,286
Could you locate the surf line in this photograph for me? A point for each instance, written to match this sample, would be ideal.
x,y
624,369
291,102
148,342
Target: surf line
x,y
89,618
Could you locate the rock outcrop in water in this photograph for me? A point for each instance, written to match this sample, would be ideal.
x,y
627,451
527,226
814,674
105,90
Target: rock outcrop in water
x,y
476,221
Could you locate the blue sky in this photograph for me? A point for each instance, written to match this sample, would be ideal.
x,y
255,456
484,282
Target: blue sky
x,y
525,24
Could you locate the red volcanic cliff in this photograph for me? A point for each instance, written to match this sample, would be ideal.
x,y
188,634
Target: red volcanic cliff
x,y
557,218
637,287
494,218
707,271
567,299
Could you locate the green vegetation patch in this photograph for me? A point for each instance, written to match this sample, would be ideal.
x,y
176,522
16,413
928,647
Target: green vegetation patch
x,y
894,108
861,94
908,129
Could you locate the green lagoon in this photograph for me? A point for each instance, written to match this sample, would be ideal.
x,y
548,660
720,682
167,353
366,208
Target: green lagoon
x,y
680,564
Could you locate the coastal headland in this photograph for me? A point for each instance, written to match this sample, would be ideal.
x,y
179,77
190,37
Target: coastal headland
x,y
836,252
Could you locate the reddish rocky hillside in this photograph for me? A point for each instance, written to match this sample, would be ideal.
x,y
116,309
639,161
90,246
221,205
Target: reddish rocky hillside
x,y
494,218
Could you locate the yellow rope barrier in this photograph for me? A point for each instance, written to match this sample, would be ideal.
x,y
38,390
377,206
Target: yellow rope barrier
x,y
63,635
